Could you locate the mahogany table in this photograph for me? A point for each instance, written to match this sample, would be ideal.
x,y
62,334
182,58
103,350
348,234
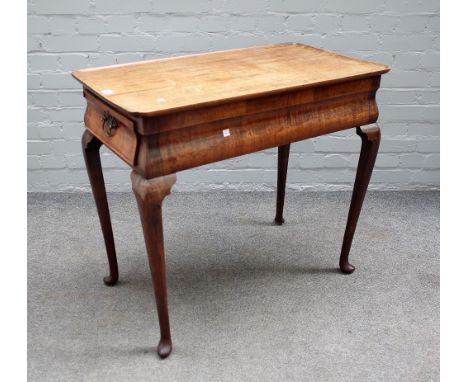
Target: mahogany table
x,y
167,115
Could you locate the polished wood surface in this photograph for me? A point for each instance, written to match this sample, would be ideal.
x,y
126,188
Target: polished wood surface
x,y
173,84
345,106
150,195
283,157
370,138
122,140
164,116
91,146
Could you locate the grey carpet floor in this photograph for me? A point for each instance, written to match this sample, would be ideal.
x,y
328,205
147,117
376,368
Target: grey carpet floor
x,y
249,301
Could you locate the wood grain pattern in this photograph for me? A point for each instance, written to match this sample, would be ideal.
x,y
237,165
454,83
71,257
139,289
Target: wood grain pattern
x,y
164,116
179,120
166,85
179,149
124,140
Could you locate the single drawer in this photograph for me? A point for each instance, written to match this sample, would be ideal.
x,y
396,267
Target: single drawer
x,y
112,128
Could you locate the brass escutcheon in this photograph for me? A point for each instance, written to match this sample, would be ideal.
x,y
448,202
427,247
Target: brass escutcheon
x,y
109,124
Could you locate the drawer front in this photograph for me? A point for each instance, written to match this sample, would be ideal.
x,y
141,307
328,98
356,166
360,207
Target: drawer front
x,y
180,149
111,128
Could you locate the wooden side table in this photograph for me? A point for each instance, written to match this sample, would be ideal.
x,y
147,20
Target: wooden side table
x,y
168,115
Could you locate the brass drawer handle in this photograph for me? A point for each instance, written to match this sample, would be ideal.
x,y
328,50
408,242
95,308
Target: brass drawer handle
x,y
109,124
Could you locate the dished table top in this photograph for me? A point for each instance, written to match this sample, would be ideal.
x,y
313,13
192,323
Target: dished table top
x,y
154,87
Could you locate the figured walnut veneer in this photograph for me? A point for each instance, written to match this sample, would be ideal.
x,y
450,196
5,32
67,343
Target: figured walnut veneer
x,y
164,116
266,96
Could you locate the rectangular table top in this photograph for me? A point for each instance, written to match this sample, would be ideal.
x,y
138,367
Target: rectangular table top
x,y
162,86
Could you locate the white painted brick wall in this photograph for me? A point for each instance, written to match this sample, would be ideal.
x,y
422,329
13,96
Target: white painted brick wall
x,y
72,34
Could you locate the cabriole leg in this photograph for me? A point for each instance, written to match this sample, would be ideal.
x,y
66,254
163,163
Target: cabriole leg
x,y
92,159
150,194
283,157
370,137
